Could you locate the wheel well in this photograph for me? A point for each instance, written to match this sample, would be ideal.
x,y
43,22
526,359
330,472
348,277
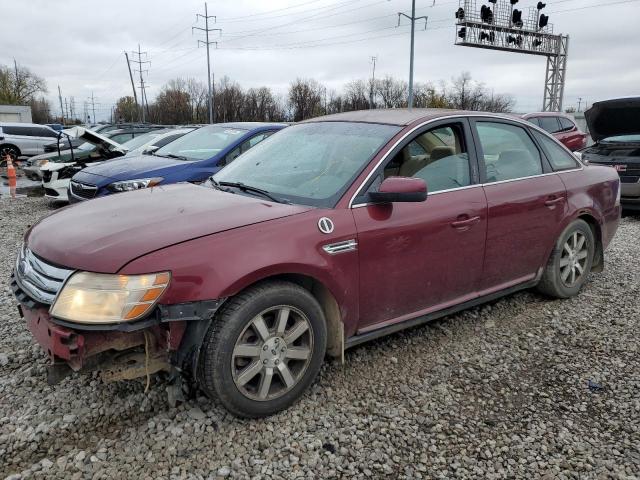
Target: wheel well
x,y
330,307
10,145
598,257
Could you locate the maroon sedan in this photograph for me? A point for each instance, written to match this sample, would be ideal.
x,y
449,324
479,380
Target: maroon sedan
x,y
561,126
330,233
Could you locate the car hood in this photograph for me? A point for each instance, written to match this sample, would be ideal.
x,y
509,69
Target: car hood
x,y
103,235
55,166
128,168
65,155
614,117
95,139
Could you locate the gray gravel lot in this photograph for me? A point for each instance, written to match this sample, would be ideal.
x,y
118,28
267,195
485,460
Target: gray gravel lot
x,y
495,392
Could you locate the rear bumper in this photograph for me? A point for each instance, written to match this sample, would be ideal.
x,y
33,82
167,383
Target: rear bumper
x,y
630,195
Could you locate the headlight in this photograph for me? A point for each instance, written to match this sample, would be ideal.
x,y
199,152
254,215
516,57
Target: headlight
x,y
136,184
102,298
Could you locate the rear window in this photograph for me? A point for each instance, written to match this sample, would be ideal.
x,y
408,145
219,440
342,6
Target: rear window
x,y
550,124
559,158
566,124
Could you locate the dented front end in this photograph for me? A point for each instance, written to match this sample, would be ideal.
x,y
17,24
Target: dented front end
x,y
165,339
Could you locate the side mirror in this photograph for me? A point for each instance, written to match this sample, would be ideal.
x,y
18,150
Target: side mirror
x,y
400,189
149,150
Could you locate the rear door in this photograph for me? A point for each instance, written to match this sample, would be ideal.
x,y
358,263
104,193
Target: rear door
x,y
526,203
416,258
42,136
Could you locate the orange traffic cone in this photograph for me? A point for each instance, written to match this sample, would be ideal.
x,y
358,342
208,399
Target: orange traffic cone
x,y
11,175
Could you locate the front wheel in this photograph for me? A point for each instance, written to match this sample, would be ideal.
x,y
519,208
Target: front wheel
x,y
263,349
570,263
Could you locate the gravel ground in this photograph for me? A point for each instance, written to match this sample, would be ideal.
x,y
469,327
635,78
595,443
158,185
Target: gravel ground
x,y
500,391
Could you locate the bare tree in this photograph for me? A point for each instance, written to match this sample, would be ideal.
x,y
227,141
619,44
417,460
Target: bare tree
x,y
467,94
356,95
19,86
126,109
40,110
305,99
391,93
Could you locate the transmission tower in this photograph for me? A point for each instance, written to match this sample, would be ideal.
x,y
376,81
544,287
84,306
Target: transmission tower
x,y
207,43
373,81
140,62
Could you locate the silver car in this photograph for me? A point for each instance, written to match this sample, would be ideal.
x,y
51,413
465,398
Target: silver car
x,y
28,139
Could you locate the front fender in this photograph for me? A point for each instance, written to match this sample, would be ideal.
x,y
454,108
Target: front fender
x,y
223,264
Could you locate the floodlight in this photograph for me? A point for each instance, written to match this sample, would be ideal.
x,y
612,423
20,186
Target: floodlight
x,y
516,18
541,5
544,20
460,13
462,33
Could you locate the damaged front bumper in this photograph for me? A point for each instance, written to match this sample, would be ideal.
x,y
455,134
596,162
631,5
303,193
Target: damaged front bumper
x,y
167,340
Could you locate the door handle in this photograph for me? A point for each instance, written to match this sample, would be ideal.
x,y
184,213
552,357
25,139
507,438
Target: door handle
x,y
552,201
465,223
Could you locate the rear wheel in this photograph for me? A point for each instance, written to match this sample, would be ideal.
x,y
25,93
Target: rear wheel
x,y
570,263
264,349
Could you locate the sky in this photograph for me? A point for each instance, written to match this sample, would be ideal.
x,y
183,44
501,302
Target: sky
x,y
79,45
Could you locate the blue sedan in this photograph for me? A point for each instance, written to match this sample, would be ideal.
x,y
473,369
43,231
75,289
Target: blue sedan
x,y
193,157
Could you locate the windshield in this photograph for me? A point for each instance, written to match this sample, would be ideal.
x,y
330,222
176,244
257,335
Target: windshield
x,y
310,163
623,139
202,143
141,140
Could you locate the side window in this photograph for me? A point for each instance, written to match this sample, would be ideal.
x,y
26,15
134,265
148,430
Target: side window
x,y
549,124
534,120
24,131
566,124
438,156
253,141
231,156
559,158
508,151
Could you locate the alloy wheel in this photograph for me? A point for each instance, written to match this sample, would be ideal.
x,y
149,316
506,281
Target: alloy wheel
x,y
272,353
573,260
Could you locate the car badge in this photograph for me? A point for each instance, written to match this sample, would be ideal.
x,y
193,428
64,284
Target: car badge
x,y
620,168
325,225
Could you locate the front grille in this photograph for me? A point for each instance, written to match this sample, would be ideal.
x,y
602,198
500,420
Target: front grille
x,y
629,179
38,279
83,190
46,176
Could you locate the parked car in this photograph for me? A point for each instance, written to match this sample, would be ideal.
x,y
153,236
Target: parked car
x,y
192,158
153,140
58,127
27,139
615,128
57,170
62,143
124,134
561,126
331,233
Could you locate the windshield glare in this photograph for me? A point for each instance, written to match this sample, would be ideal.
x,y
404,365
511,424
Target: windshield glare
x,y
140,140
623,138
310,163
202,143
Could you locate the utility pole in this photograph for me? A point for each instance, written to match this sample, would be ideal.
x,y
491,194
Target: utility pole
x,y
66,107
413,19
373,80
15,65
206,30
61,107
133,86
72,106
140,63
93,107
579,103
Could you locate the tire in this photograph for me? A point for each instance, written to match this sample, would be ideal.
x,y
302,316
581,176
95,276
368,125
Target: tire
x,y
569,265
11,150
254,363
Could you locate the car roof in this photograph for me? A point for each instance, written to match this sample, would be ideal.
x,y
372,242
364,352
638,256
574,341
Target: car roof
x,y
18,124
250,125
545,114
391,116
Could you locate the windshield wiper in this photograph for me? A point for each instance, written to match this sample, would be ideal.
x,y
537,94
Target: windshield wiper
x,y
248,188
172,155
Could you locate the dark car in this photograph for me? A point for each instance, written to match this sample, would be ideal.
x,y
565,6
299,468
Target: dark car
x,y
615,128
561,126
331,233
192,158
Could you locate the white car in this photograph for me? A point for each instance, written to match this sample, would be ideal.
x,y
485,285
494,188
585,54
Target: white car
x,y
57,170
19,139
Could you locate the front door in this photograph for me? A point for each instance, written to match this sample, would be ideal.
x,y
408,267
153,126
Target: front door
x,y
526,204
420,257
